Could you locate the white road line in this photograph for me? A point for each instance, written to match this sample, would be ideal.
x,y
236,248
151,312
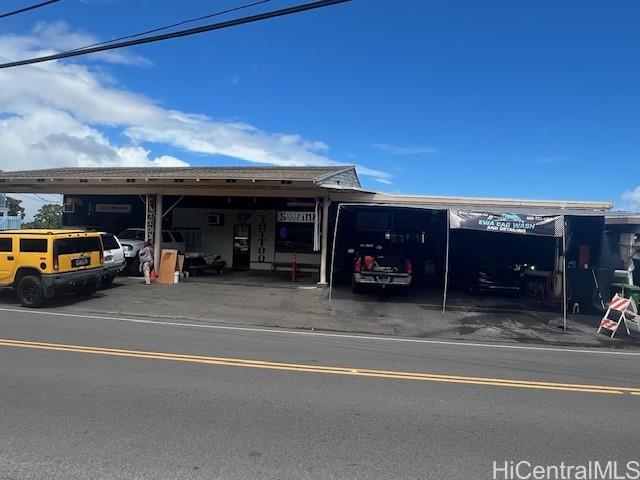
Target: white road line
x,y
321,334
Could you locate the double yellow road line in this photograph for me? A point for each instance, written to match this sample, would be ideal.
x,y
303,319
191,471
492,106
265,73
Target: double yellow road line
x,y
293,367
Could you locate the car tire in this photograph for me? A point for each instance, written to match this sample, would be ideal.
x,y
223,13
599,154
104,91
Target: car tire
x,y
355,288
108,280
30,291
86,290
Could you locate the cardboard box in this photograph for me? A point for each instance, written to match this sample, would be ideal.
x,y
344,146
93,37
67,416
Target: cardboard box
x,y
168,265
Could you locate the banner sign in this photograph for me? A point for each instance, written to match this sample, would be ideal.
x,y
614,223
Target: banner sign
x,y
296,217
113,208
519,223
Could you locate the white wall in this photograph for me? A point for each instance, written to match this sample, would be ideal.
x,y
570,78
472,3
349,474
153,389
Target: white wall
x,y
218,240
302,258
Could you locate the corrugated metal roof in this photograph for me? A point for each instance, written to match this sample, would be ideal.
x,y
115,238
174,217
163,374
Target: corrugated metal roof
x,y
530,210
498,205
302,174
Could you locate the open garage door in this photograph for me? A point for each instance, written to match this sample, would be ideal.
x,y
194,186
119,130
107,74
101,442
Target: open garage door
x,y
390,248
506,253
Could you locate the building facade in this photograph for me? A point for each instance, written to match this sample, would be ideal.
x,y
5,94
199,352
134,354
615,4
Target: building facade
x,y
261,218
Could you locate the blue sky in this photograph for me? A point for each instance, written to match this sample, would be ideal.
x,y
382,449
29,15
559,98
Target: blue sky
x,y
494,98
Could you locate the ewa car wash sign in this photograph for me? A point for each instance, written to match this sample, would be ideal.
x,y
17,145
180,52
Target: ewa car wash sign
x,y
523,224
296,217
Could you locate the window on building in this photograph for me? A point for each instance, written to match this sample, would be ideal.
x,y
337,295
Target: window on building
x,y
294,237
33,245
192,237
6,244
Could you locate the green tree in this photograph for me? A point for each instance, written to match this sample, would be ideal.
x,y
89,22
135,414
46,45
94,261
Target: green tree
x,y
48,216
15,207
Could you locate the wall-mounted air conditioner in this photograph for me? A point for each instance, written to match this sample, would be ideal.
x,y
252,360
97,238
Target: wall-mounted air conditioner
x,y
215,219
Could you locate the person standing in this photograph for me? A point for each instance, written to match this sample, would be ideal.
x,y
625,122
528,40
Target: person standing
x,y
146,261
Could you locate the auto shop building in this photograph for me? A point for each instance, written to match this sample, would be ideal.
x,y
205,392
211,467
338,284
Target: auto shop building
x,y
256,218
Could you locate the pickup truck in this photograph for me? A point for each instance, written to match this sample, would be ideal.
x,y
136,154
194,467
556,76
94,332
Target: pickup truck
x,y
378,270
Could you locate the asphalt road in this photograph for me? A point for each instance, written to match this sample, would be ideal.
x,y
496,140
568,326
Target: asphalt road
x,y
254,404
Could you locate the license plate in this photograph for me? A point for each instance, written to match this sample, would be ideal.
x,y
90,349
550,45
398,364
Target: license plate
x,y
80,262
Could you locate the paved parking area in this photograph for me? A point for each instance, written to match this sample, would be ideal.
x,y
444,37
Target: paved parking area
x,y
272,301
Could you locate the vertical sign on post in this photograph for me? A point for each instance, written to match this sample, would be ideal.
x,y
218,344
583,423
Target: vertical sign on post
x,y
150,210
262,231
316,227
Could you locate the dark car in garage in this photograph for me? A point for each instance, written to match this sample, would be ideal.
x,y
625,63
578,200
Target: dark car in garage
x,y
499,278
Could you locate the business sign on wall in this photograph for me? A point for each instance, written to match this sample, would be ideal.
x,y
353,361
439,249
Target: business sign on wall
x,y
523,224
113,208
263,240
296,217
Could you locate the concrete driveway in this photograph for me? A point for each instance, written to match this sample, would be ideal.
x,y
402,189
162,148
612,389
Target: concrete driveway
x,y
272,301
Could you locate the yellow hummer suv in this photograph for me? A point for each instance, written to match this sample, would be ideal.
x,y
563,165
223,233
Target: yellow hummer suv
x,y
39,262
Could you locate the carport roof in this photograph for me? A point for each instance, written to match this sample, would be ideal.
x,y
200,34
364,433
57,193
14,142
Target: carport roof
x,y
302,174
362,198
480,207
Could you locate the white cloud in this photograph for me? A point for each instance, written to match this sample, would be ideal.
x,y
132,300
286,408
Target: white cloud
x,y
383,181
631,199
404,150
51,114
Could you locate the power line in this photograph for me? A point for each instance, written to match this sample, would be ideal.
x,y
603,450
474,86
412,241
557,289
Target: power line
x,y
26,196
34,197
173,25
26,9
44,199
181,33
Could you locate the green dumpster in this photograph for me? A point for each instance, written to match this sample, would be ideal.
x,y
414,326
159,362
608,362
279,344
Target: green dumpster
x,y
626,291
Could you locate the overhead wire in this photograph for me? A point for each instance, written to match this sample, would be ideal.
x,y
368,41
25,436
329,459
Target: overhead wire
x,y
174,25
180,33
47,199
27,9
34,197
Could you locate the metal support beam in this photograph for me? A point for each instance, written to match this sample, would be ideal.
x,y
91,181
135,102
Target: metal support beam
x,y
175,204
564,274
446,266
333,253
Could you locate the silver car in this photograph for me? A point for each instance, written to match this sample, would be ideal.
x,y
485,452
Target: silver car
x,y
114,261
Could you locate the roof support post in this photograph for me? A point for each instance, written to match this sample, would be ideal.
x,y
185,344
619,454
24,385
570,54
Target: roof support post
x,y
446,265
157,234
333,252
564,274
324,241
